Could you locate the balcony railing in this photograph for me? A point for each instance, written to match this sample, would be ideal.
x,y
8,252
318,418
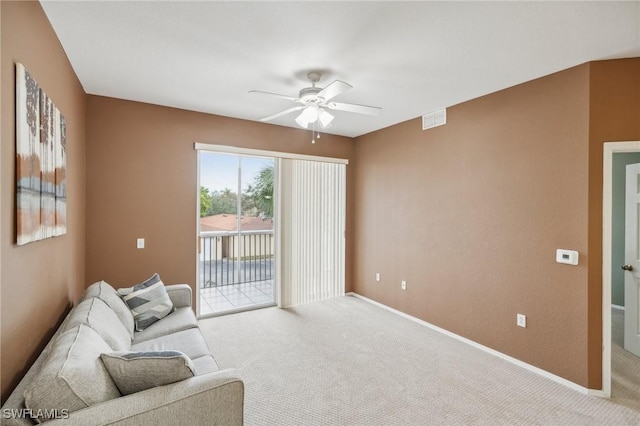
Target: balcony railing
x,y
229,257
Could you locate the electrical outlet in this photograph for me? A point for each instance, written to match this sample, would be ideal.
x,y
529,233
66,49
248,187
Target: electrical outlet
x,y
140,243
403,285
377,276
521,320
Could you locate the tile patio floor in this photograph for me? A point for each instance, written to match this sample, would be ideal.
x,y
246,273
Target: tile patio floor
x,y
235,296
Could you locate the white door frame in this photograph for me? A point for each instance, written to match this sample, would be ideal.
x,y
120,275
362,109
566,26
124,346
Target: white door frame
x,y
610,148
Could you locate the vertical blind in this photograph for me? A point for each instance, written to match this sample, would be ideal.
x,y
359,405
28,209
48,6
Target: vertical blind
x,y
313,231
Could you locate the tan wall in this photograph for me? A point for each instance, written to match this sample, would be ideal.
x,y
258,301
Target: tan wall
x,y
141,175
42,279
614,116
471,214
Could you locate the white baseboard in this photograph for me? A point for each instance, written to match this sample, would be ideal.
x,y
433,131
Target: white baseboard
x,y
618,307
534,369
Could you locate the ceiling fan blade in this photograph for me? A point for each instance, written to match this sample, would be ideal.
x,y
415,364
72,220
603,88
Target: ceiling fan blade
x,y
260,92
334,89
285,112
360,109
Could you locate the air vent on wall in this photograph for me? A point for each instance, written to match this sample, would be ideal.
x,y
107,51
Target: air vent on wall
x,y
433,119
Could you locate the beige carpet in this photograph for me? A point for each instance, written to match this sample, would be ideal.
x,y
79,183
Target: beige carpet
x,y
348,362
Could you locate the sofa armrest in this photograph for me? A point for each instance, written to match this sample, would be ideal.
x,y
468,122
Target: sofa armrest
x,y
212,399
180,295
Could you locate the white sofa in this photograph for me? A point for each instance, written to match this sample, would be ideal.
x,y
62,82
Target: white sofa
x,y
71,373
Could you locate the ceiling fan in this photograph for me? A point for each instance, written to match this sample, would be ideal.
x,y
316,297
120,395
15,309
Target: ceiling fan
x,y
315,101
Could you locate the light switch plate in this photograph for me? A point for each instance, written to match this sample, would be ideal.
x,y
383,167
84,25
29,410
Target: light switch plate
x,y
140,243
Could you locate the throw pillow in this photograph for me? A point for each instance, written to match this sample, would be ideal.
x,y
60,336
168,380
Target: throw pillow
x,y
148,301
136,371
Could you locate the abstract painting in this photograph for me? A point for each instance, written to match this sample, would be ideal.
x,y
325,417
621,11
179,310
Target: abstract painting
x,y
41,151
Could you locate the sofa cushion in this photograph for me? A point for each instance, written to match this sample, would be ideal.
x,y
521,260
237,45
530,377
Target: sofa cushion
x,y
181,319
73,376
205,364
136,371
110,296
189,341
97,315
148,301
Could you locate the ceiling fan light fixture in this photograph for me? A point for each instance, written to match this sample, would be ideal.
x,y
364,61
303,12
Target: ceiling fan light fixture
x,y
302,122
308,115
325,118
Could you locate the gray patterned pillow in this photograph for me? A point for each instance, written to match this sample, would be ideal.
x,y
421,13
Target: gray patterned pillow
x,y
136,371
148,301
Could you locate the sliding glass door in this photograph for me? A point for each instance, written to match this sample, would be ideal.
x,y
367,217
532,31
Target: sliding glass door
x,y
236,241
271,229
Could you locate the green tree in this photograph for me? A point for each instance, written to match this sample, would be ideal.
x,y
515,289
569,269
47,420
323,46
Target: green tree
x,y
224,202
249,207
217,202
205,202
261,192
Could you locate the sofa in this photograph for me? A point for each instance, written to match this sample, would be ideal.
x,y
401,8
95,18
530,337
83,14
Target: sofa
x,y
69,383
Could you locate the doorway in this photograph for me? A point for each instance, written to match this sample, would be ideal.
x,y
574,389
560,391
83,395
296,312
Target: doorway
x,y
236,241
302,259
618,364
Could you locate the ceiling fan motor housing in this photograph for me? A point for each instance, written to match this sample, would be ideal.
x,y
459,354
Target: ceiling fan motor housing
x,y
308,95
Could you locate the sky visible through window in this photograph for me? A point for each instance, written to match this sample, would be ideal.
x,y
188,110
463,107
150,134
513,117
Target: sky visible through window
x,y
220,171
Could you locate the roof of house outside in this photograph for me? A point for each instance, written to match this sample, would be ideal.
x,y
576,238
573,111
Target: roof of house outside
x,y
229,222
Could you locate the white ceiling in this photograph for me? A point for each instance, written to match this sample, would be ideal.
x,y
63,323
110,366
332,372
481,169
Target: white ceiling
x,y
409,58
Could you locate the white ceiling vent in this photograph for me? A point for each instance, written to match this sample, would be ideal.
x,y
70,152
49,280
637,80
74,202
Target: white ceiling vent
x,y
434,119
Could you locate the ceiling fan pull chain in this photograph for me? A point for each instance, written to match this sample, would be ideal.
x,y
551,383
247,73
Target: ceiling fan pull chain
x,y
315,130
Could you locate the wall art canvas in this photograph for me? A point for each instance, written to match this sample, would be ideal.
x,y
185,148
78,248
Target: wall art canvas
x,y
41,151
